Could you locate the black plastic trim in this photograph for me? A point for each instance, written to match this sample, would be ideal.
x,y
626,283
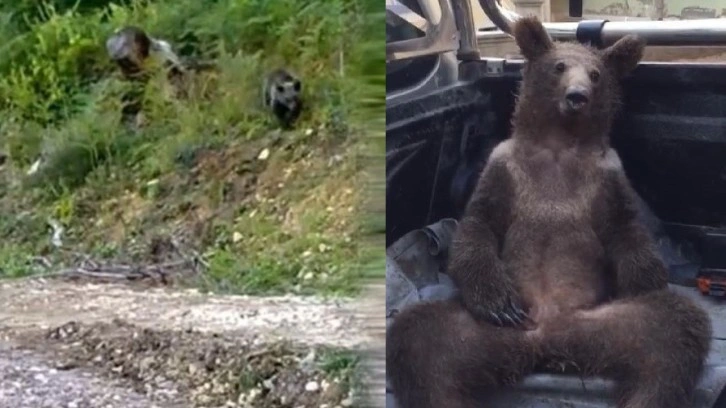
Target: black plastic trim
x,y
589,32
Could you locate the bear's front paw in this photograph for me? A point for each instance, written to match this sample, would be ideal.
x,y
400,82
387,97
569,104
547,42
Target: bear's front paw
x,y
503,310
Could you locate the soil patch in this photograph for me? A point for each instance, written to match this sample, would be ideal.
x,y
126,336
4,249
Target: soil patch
x,y
208,370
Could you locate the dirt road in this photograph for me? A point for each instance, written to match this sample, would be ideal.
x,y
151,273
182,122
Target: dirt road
x,y
66,344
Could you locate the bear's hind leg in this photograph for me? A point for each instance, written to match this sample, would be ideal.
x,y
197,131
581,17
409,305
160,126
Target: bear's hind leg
x,y
654,345
438,355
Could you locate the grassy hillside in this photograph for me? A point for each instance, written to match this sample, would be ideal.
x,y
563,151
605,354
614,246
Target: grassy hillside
x,y
265,210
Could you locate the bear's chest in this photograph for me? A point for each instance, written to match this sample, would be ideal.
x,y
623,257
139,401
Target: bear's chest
x,y
552,187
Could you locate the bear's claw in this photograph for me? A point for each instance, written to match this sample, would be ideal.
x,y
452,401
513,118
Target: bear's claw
x,y
512,315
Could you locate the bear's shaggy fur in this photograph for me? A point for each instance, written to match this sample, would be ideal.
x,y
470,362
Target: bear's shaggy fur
x,y
553,268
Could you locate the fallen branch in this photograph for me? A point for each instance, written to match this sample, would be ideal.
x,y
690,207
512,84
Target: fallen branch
x,y
89,269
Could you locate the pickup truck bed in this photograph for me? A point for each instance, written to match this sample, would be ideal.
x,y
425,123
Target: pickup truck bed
x,y
671,137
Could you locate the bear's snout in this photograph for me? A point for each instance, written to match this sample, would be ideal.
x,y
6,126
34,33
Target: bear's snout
x,y
577,98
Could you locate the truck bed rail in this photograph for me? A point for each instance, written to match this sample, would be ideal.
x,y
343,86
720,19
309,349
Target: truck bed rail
x,y
702,32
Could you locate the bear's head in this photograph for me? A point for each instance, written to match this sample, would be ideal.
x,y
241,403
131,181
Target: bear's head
x,y
570,82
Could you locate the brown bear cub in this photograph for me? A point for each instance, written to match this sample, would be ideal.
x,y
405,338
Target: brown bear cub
x,y
553,268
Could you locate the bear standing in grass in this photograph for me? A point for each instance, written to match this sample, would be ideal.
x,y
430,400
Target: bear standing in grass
x,y
553,268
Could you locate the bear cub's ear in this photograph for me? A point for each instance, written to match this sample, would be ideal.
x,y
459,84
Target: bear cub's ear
x,y
531,37
623,56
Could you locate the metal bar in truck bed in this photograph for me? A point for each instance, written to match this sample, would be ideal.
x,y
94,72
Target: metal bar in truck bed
x,y
703,32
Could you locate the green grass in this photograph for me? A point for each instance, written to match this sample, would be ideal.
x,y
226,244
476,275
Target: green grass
x,y
295,221
338,363
343,366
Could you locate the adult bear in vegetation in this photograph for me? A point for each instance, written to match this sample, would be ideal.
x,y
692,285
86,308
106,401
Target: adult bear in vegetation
x,y
552,266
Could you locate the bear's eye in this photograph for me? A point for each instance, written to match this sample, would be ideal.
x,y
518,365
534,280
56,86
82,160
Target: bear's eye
x,y
560,67
594,76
